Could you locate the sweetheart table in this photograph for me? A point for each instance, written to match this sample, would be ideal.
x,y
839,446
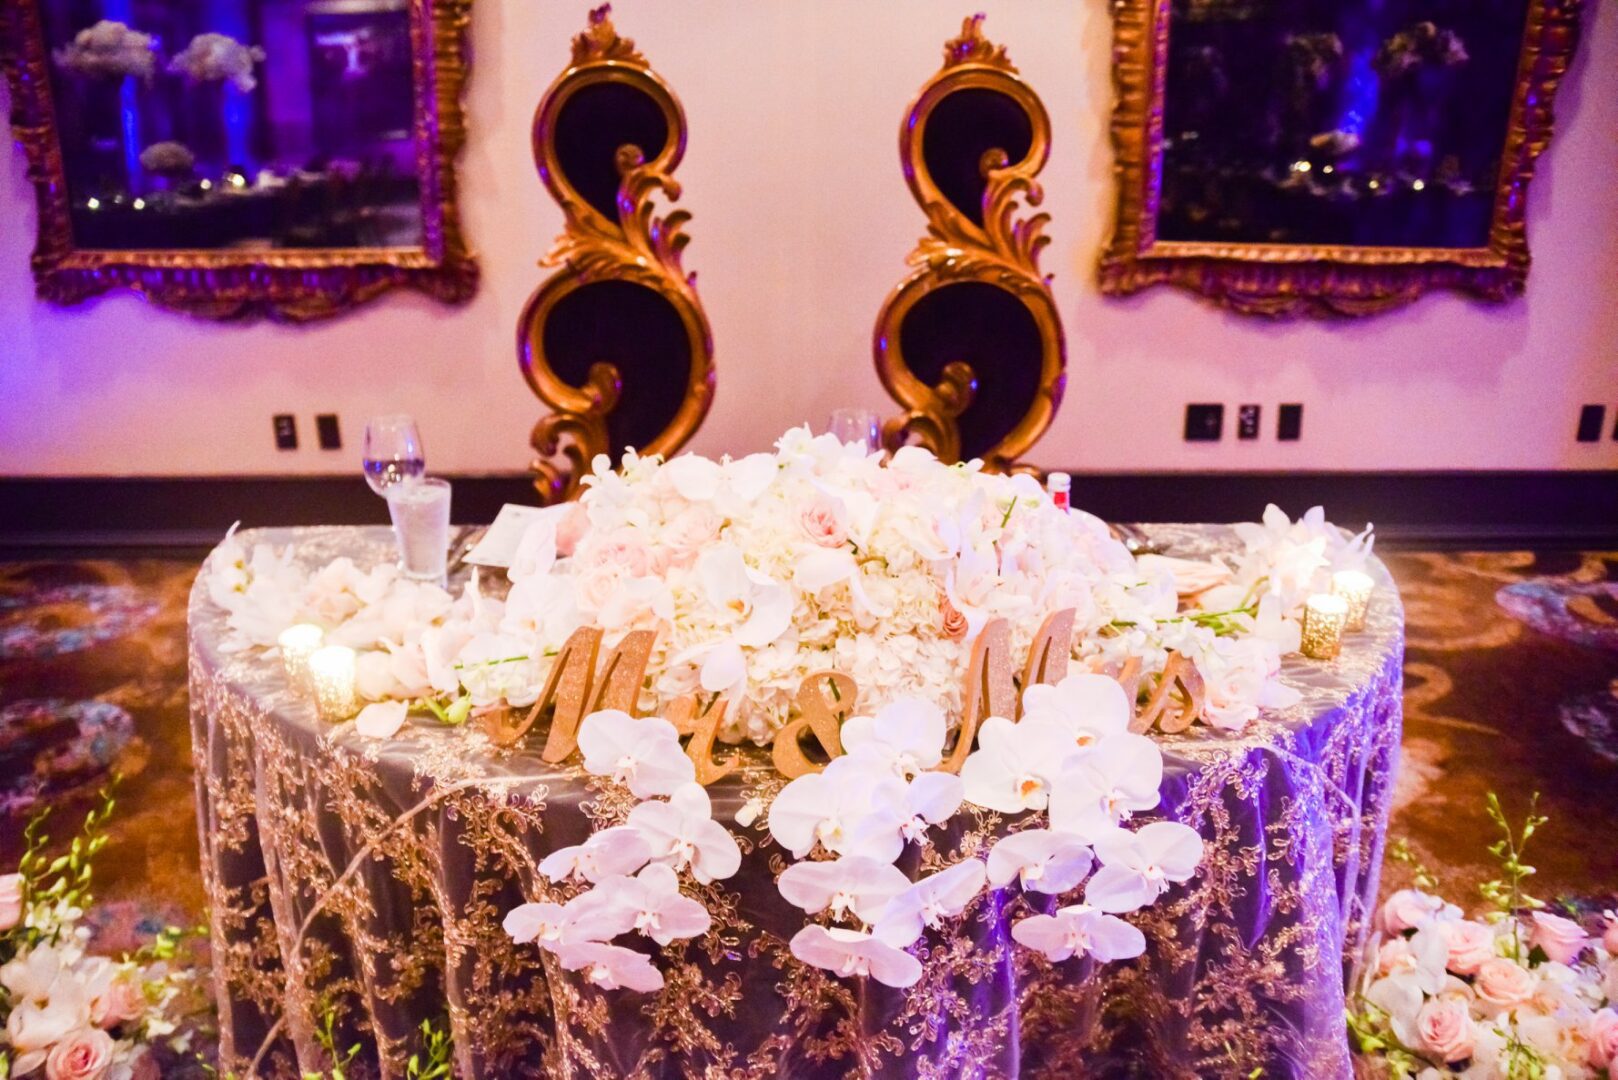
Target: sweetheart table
x,y
367,880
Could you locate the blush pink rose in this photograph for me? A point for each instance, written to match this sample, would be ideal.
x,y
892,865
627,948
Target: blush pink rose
x,y
10,901
1470,945
684,537
1562,939
1603,1039
598,585
1445,1029
822,521
1395,955
571,529
1409,909
119,1002
82,1054
1503,984
621,549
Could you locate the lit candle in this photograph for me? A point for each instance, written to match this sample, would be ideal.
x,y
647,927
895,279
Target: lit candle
x,y
297,644
331,672
1323,619
1355,588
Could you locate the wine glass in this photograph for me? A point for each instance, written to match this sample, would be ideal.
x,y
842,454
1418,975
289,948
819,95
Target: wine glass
x,y
393,452
861,426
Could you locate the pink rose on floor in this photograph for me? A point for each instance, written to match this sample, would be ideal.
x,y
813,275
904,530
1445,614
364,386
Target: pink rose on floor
x,y
1562,939
1395,955
1503,984
1446,1029
1409,909
119,1002
1470,945
1603,1037
83,1054
822,521
10,901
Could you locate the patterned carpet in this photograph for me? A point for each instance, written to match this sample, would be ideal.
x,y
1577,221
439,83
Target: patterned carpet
x,y
1511,686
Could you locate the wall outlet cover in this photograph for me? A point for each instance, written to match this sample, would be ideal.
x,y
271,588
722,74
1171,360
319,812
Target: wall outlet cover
x,y
1204,423
327,431
1592,418
286,431
1247,419
1289,425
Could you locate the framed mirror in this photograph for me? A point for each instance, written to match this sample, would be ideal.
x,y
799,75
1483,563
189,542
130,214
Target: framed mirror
x,y
239,157
1330,156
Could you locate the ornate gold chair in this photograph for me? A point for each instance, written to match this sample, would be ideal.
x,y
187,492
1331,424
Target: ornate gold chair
x,y
615,341
970,344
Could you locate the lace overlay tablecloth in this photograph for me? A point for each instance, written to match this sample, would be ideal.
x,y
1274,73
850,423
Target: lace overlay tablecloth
x,y
370,879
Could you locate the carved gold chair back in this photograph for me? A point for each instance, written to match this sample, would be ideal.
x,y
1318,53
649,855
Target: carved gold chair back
x,y
615,342
970,343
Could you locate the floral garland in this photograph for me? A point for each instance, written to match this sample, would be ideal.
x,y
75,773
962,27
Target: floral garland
x,y
760,571
1521,993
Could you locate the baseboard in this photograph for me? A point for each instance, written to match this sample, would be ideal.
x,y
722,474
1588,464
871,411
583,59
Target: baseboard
x,y
1564,509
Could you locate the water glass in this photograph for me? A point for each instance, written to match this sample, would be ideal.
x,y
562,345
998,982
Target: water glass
x,y
420,512
393,453
857,426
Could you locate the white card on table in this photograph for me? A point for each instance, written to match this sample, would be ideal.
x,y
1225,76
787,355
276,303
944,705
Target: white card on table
x,y
499,544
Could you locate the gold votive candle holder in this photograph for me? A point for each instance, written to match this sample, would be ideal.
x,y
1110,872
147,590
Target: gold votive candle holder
x,y
1354,587
297,644
331,676
1324,617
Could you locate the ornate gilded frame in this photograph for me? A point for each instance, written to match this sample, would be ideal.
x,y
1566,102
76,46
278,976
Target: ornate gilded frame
x,y
1287,280
1003,252
638,247
286,284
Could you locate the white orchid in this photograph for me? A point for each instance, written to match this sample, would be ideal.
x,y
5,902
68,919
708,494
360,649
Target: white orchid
x,y
1091,707
619,850
1043,860
853,952
683,834
853,883
611,967
381,719
853,807
764,605
1080,930
1100,787
930,799
926,903
1419,974
659,910
1015,765
593,915
497,668
643,753
1138,867
906,736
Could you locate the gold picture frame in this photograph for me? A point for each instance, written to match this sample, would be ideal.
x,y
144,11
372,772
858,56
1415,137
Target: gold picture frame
x,y
1281,280
290,284
635,246
1002,251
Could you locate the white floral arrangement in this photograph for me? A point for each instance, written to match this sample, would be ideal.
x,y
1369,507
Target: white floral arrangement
x,y
109,49
168,156
1521,993
214,57
1070,758
65,1012
756,572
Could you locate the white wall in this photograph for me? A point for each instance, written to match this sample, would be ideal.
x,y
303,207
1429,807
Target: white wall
x,y
802,222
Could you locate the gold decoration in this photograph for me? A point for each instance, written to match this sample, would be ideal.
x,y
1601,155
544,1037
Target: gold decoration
x,y
331,676
989,690
1003,251
825,700
1049,652
1293,279
1177,700
637,247
702,725
1355,587
298,643
284,283
1324,617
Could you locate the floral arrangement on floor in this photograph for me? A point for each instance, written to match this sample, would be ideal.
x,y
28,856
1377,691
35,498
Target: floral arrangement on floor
x,y
758,571
1522,993
67,1014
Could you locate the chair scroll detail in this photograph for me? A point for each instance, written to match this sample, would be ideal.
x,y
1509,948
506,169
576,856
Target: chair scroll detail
x,y
615,342
970,343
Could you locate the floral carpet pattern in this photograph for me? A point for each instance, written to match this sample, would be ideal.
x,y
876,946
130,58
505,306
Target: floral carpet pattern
x,y
1511,685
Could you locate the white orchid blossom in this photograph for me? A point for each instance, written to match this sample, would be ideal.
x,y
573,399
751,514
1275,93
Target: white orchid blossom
x,y
381,719
659,910
854,884
853,807
611,967
1043,860
1090,707
643,753
906,736
855,953
683,834
612,852
1138,867
928,902
593,915
1100,787
1015,765
1080,930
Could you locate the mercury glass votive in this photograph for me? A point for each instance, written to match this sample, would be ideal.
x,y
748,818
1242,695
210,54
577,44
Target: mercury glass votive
x,y
297,644
1323,620
1354,587
331,675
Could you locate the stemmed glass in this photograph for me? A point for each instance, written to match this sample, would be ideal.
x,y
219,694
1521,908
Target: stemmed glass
x,y
419,507
856,426
393,452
